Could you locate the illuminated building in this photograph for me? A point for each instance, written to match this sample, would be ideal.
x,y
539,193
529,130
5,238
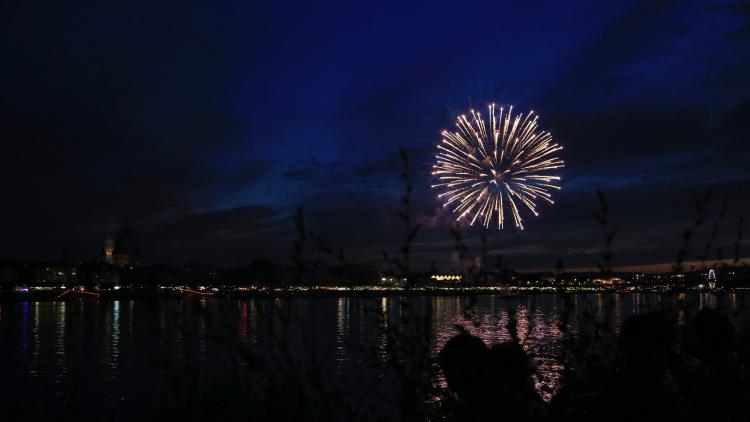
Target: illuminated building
x,y
120,257
123,252
107,251
392,281
446,277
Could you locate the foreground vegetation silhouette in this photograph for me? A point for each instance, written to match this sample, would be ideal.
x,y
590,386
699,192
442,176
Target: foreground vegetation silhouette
x,y
656,368
662,365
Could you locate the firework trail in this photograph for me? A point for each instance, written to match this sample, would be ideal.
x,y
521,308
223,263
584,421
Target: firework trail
x,y
495,166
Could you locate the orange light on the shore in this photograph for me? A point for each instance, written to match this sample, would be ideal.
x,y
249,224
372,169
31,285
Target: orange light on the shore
x,y
196,292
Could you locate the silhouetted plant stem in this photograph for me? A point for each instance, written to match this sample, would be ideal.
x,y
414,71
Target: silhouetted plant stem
x,y
602,217
459,246
402,263
738,243
714,233
701,204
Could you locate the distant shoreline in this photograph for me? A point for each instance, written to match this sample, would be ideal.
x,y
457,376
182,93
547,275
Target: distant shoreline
x,y
293,292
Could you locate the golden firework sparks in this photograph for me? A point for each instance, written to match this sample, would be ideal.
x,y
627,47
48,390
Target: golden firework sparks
x,y
488,166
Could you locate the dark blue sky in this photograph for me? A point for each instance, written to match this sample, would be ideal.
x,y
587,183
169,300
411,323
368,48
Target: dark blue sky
x,y
206,125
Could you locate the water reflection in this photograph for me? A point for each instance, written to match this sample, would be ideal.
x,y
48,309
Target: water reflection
x,y
599,313
59,349
36,346
617,313
243,322
115,333
522,321
118,353
25,328
536,327
383,335
202,327
253,325
343,317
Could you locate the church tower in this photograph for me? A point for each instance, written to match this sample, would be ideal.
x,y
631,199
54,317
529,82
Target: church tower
x,y
123,252
108,251
120,255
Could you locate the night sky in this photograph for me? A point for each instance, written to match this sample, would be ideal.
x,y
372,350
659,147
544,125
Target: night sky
x,y
206,125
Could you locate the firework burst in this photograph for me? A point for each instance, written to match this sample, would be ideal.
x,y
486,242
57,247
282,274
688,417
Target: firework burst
x,y
496,166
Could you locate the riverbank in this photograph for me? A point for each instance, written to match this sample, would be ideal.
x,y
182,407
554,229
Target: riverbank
x,y
177,292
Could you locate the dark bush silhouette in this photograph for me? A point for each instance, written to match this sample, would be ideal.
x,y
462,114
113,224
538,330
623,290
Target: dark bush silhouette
x,y
660,370
490,382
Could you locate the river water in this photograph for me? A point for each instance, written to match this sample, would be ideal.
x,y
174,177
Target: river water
x,y
115,360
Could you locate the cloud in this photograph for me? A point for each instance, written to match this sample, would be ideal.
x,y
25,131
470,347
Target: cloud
x,y
226,237
659,53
